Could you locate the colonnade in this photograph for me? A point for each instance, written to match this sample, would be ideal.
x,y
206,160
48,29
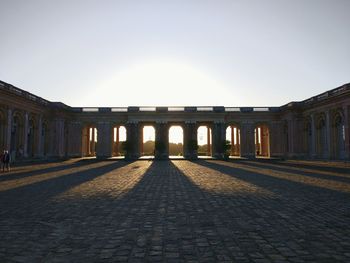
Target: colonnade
x,y
246,144
28,134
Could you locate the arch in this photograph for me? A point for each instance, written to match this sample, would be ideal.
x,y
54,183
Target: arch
x,y
338,135
321,136
89,137
204,139
262,140
148,138
119,136
233,135
176,140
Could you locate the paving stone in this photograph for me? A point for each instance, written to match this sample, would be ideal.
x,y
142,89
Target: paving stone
x,y
176,211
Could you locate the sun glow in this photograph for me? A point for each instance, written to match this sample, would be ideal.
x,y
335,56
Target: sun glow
x,y
158,83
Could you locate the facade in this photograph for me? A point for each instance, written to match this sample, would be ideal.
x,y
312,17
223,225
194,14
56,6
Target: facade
x,y
316,128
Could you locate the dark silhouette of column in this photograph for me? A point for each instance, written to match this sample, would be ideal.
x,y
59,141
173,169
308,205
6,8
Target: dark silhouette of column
x,y
218,140
132,140
162,139
247,140
190,140
104,140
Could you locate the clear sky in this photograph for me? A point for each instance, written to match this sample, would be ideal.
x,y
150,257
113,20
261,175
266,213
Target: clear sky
x,y
124,53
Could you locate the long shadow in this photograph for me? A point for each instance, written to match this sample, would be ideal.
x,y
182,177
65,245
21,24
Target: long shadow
x,y
38,171
54,186
325,168
271,165
271,183
165,208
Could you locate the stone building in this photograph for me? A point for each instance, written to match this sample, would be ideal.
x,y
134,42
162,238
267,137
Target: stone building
x,y
316,128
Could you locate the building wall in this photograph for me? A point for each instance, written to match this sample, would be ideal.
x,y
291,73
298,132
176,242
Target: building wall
x,y
32,127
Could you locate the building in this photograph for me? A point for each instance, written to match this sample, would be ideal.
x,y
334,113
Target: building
x,y
316,128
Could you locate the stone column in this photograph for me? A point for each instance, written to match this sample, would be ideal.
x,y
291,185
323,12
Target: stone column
x,y
162,140
104,140
218,139
233,140
133,140
9,130
190,138
25,141
247,140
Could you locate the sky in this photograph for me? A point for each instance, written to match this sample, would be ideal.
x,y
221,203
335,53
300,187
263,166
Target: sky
x,y
175,53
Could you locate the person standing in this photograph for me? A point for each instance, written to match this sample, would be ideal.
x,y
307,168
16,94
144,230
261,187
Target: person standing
x,y
6,161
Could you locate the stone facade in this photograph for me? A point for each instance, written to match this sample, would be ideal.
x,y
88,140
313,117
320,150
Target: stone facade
x,y
316,128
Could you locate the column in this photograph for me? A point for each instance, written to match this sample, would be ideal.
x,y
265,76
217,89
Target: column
x,y
218,140
238,142
233,152
247,139
104,140
117,141
133,140
190,140
162,140
26,126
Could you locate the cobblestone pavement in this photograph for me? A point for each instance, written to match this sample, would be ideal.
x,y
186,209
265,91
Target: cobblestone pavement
x,y
176,211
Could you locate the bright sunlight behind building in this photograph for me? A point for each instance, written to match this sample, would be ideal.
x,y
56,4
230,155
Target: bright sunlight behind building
x,y
159,83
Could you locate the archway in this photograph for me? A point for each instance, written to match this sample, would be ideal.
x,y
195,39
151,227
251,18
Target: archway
x,y
338,136
233,135
119,136
176,141
204,139
89,141
262,141
148,140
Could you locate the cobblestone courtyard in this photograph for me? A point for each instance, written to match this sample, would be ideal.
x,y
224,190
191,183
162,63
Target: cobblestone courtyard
x,y
176,211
